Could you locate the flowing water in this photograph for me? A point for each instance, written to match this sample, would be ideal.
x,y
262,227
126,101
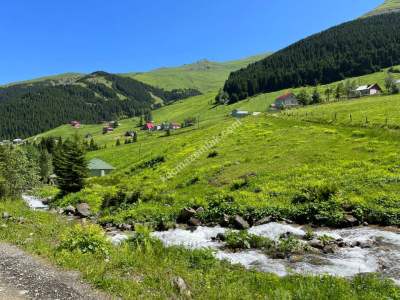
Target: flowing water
x,y
34,203
382,255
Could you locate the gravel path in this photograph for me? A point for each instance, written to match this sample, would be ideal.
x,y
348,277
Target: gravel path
x,y
23,276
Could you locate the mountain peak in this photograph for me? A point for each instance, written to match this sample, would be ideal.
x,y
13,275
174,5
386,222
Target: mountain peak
x,y
389,6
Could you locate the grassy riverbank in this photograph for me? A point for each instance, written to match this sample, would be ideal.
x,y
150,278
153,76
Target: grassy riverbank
x,y
145,269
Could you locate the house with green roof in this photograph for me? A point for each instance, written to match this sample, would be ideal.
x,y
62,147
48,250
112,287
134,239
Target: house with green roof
x,y
99,168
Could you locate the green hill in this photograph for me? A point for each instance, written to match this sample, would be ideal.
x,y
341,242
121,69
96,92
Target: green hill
x,y
389,6
337,53
258,165
64,78
30,108
203,75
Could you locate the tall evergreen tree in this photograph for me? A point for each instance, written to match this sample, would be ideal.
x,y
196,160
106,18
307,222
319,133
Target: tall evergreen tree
x,y
70,166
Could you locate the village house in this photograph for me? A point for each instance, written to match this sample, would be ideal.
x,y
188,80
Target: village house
x,y
368,90
236,113
175,126
130,134
287,100
148,126
99,168
75,124
17,141
107,130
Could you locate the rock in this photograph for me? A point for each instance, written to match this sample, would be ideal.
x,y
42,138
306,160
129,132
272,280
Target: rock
x,y
194,222
263,221
21,220
330,249
186,214
296,258
225,220
181,286
341,243
126,227
287,221
5,215
220,237
83,210
366,244
350,220
239,223
46,201
316,244
200,210
365,224
70,210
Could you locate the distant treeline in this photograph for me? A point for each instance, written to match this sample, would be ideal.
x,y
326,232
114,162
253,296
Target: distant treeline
x,y
352,49
29,109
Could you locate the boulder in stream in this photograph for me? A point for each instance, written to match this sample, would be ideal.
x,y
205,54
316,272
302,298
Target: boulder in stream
x,y
239,223
83,210
350,220
186,214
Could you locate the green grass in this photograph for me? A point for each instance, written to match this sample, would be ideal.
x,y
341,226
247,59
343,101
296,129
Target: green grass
x,y
58,77
377,111
386,7
278,156
146,269
204,75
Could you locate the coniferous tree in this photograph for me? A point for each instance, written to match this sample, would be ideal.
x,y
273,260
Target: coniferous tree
x,y
304,97
70,166
316,97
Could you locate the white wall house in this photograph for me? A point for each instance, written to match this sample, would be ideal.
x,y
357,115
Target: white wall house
x,y
369,90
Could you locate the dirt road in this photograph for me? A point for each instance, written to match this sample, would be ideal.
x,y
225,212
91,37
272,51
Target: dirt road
x,y
23,276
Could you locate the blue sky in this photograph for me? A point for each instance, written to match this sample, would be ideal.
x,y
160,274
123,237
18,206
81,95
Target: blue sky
x,y
45,37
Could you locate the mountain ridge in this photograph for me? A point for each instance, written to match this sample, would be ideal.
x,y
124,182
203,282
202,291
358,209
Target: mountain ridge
x,y
389,6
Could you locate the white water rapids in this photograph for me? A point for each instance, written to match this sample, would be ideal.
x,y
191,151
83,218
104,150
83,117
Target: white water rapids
x,y
383,256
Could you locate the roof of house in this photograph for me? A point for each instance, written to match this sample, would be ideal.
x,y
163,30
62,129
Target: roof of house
x,y
98,164
237,111
367,87
285,96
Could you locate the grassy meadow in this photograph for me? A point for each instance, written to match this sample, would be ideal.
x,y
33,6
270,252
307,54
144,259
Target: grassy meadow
x,y
204,75
259,169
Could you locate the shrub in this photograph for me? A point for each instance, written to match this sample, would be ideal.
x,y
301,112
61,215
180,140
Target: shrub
x,y
212,154
243,240
289,245
239,184
358,134
318,192
85,239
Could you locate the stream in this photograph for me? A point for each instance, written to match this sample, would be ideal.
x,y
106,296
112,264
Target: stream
x,y
382,253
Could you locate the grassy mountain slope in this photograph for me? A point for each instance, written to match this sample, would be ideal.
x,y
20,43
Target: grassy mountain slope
x,y
388,6
31,108
202,106
204,75
63,78
261,165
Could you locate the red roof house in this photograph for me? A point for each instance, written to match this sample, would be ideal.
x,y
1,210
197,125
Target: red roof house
x,y
148,126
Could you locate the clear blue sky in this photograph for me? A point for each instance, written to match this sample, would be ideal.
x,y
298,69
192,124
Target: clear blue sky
x,y
44,37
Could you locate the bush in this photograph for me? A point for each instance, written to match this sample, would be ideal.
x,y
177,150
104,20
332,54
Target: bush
x,y
85,239
243,240
319,192
212,154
